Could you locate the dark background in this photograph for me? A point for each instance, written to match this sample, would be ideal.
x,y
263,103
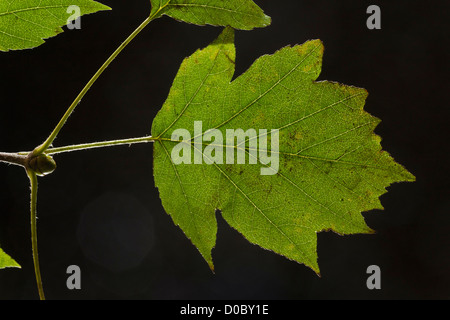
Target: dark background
x,y
101,211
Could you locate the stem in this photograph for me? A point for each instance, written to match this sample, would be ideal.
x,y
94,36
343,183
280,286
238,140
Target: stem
x,y
13,158
102,144
77,100
34,186
21,158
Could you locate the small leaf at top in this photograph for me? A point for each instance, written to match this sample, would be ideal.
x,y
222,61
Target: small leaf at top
x,y
6,261
326,165
25,23
239,14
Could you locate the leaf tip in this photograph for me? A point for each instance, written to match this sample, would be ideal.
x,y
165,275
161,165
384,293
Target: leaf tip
x,y
409,177
315,267
267,21
209,261
103,7
211,267
316,43
10,266
7,262
226,36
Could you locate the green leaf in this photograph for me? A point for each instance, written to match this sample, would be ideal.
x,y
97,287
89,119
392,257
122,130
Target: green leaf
x,y
6,261
239,14
331,166
25,23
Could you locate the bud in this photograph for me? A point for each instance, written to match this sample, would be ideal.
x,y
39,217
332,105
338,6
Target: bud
x,y
42,164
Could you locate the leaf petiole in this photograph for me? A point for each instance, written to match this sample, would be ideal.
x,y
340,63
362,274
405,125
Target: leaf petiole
x,y
95,145
43,147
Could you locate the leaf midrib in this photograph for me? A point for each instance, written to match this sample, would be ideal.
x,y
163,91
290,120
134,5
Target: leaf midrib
x,y
279,152
348,221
